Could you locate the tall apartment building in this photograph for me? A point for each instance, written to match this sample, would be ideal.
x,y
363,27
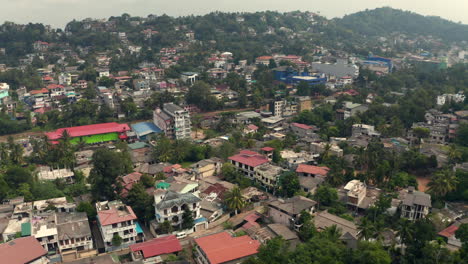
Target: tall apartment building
x,y
173,120
115,218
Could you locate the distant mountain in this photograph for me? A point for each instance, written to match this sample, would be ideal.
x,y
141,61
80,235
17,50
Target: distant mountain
x,y
384,21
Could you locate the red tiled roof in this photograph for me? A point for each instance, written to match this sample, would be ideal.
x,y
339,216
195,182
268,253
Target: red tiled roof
x,y
111,216
158,246
252,127
95,129
250,158
132,177
21,250
304,168
47,78
449,231
222,247
265,58
217,188
268,149
303,126
53,86
43,90
252,217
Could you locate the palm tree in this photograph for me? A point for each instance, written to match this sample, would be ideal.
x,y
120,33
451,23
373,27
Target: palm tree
x,y
196,123
326,152
16,154
405,230
454,155
366,229
442,183
234,199
3,152
332,233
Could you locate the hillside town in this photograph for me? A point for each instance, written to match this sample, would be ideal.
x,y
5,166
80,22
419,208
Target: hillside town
x,y
150,140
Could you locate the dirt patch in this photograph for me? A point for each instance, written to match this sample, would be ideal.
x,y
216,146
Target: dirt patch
x,y
422,183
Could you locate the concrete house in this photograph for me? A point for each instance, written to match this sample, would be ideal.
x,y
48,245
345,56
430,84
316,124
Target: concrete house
x,y
207,167
224,248
170,206
246,162
116,218
74,233
287,211
415,204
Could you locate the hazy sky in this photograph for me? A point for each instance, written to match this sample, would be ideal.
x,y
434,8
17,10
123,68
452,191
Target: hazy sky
x,y
59,12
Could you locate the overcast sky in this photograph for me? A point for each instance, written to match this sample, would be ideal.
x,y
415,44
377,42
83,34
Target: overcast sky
x,y
59,12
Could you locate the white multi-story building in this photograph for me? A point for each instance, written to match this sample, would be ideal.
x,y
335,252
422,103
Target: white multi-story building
x,y
415,204
65,79
170,206
173,120
116,219
362,129
44,229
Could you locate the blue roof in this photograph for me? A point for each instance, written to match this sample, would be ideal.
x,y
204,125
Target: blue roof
x,y
138,228
200,220
145,128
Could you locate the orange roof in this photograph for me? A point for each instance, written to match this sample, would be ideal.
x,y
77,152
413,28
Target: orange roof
x,y
21,250
449,231
43,90
316,170
222,247
111,216
265,58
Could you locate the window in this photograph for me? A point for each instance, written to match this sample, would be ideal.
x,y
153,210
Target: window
x,y
165,211
114,225
194,205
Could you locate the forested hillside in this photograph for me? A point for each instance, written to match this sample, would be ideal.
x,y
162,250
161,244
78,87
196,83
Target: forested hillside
x,y
384,21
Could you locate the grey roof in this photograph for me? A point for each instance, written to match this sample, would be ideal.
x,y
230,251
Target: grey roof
x,y
72,225
172,108
324,219
173,198
417,198
310,182
282,230
294,205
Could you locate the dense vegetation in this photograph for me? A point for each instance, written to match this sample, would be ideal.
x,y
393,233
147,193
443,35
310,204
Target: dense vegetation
x,y
386,21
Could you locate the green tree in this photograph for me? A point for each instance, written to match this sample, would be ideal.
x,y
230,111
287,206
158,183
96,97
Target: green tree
x,y
288,184
116,240
276,158
15,176
442,183
421,132
166,227
163,151
367,229
462,235
107,166
141,202
371,253
187,219
234,200
326,195
88,208
462,135
307,227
